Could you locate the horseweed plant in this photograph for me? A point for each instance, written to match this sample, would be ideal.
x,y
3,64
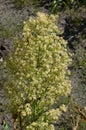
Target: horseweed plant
x,y
38,74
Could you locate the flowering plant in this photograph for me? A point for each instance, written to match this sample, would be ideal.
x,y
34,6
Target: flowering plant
x,y
38,74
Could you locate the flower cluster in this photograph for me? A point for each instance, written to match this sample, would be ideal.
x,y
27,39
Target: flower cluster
x,y
38,73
